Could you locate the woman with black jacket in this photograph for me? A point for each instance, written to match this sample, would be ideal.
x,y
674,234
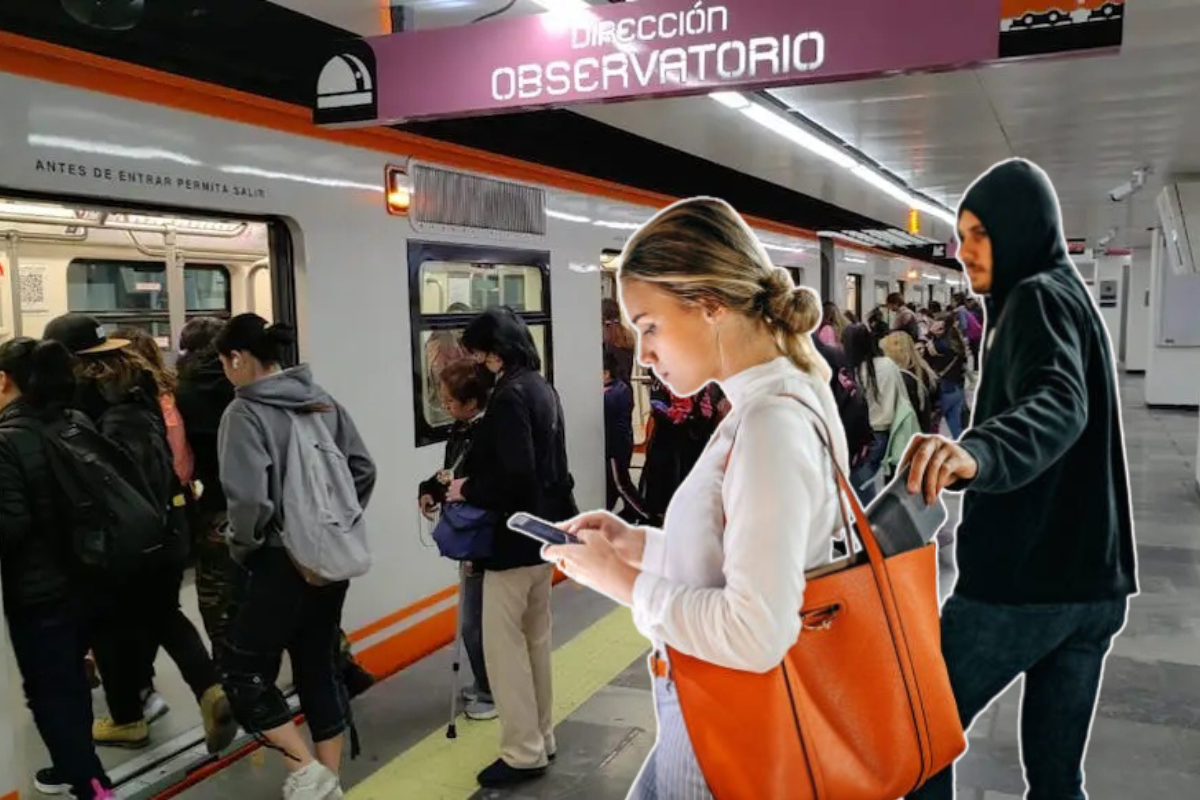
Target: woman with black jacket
x,y
517,463
117,391
44,601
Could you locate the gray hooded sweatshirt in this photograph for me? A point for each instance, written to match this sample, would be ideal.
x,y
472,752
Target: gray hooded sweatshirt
x,y
252,451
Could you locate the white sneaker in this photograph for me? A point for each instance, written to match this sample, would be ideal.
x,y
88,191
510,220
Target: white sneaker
x,y
154,707
481,710
313,782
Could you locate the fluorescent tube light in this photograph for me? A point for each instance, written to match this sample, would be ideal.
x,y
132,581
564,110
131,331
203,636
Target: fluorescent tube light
x,y
730,99
789,130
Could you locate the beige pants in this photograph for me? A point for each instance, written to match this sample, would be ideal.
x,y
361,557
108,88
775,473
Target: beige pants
x,y
516,649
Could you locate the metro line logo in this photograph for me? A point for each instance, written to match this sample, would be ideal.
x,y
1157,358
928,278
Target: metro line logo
x,y
347,86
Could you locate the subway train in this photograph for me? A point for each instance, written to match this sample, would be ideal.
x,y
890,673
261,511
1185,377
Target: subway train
x,y
143,201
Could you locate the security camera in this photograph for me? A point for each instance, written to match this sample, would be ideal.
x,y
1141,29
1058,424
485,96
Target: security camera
x,y
1130,186
1121,192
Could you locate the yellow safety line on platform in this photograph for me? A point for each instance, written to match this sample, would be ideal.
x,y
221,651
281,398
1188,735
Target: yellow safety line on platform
x,y
438,768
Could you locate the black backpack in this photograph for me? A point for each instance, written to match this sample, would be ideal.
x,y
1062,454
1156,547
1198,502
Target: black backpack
x,y
113,521
854,412
851,402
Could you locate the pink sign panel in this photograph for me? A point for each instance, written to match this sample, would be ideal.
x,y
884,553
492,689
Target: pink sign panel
x,y
651,48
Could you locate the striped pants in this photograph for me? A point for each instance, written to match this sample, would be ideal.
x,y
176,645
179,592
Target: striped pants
x,y
671,771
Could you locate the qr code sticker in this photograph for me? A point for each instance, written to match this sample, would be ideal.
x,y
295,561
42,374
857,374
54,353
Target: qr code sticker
x,y
33,288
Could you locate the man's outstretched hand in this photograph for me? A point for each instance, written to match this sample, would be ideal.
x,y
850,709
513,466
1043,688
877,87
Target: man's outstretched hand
x,y
936,463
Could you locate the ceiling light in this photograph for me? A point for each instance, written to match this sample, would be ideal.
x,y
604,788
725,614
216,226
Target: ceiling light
x,y
205,225
789,130
565,216
730,99
32,210
854,260
880,182
932,210
932,276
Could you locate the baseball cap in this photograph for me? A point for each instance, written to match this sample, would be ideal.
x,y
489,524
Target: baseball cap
x,y
82,335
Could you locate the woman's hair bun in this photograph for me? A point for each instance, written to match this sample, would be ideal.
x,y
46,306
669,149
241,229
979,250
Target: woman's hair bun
x,y
794,309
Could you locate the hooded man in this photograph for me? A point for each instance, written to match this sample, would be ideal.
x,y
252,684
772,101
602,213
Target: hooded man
x,y
1045,547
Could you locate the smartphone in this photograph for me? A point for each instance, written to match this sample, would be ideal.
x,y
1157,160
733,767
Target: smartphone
x,y
539,529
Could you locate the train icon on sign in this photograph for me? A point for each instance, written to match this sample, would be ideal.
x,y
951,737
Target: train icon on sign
x,y
1020,15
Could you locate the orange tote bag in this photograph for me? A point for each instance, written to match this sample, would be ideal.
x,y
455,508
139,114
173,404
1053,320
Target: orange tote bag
x,y
861,706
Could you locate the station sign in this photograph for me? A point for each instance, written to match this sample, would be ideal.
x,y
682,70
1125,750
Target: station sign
x,y
668,48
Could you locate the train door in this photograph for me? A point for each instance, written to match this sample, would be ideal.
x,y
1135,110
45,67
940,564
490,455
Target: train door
x,y
854,294
881,292
151,271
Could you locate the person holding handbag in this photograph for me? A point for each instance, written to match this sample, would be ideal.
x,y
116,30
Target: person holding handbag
x,y
464,394
724,580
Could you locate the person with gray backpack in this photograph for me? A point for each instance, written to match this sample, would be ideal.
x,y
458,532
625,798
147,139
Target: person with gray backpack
x,y
297,478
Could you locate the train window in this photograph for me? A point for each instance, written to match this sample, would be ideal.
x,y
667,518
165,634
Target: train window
x,y
455,287
854,293
450,284
120,293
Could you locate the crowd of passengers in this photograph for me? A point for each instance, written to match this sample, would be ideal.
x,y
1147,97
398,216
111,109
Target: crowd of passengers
x,y
903,371
207,442
201,438
210,435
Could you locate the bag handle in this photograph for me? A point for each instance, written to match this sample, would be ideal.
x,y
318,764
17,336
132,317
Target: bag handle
x,y
846,494
866,536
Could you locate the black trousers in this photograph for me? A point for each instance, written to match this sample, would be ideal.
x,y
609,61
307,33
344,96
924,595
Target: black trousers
x,y
138,617
276,610
49,643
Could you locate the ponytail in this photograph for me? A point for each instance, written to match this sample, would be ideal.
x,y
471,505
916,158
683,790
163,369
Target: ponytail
x,y
43,371
250,333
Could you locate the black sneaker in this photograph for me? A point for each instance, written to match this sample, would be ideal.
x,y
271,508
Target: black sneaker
x,y
500,774
48,781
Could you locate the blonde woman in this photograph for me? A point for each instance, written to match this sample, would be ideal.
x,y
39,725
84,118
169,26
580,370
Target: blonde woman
x,y
920,380
724,580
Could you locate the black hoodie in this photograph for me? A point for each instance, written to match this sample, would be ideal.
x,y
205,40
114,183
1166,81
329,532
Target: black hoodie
x,y
202,397
1048,518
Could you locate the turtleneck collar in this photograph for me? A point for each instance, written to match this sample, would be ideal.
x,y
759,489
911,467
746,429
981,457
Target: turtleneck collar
x,y
740,387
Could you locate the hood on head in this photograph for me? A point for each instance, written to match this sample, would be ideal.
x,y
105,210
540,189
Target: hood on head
x,y
292,388
1017,204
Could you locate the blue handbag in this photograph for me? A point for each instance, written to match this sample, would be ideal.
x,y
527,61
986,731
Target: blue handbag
x,y
465,532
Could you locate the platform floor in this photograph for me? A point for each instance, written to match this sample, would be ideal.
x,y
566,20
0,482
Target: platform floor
x,y
1145,742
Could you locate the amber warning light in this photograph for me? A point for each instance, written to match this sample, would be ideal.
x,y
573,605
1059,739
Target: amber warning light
x,y
399,195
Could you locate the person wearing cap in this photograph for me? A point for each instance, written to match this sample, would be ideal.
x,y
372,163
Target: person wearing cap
x,y
1046,561
116,390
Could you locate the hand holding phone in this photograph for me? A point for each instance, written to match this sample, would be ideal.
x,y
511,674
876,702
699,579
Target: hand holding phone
x,y
539,529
